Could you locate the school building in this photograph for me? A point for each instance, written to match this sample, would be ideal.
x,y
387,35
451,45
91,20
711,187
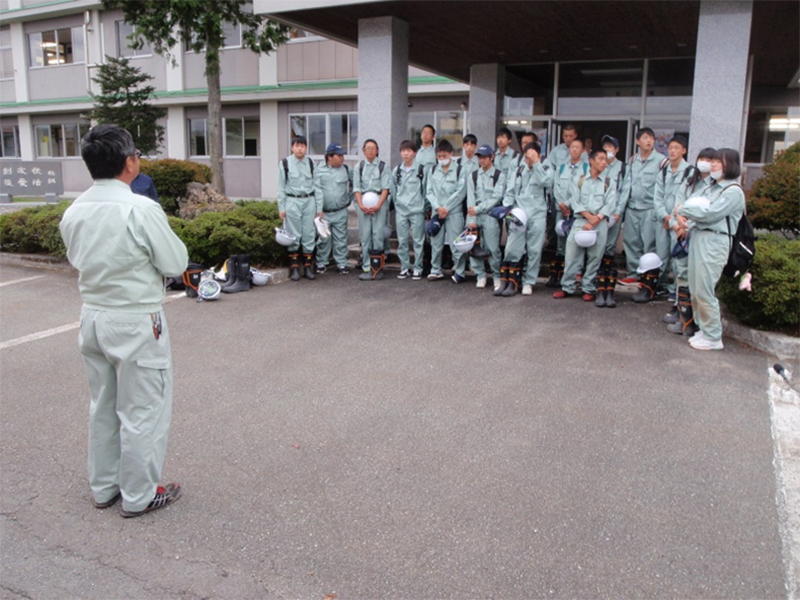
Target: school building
x,y
725,73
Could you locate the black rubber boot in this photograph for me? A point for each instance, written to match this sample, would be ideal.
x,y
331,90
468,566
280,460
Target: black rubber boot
x,y
308,266
514,279
647,287
672,317
561,267
686,325
602,277
242,283
232,265
294,268
503,279
611,283
553,281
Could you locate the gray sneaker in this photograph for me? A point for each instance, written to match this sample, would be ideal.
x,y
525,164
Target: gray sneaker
x,y
403,274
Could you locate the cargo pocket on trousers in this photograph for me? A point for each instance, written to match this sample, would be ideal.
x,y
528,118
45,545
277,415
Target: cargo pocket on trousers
x,y
154,374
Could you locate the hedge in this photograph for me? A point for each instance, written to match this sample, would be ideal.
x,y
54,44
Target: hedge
x,y
773,203
34,230
171,177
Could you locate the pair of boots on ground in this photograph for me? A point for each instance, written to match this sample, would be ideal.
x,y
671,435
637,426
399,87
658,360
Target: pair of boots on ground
x,y
606,283
510,278
238,270
377,261
294,268
680,318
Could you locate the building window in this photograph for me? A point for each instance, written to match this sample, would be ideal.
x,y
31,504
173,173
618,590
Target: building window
x,y
198,134
232,33
55,141
56,47
323,129
241,136
449,126
6,55
10,142
124,50
301,35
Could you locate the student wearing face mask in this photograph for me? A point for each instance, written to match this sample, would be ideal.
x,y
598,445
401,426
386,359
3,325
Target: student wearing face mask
x,y
680,318
446,189
712,236
615,172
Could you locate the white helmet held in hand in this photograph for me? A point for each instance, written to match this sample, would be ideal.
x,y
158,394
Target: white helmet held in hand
x,y
648,262
586,238
370,199
517,219
699,202
465,242
283,236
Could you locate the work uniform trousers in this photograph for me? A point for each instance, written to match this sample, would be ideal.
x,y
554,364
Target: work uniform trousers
x,y
708,255
372,229
530,240
337,241
561,241
611,239
452,227
130,381
300,213
410,225
575,257
638,235
490,241
665,241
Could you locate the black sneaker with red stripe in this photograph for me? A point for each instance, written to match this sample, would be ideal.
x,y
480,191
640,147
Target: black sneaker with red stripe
x,y
165,495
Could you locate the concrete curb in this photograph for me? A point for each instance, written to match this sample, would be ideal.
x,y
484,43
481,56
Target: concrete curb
x,y
776,344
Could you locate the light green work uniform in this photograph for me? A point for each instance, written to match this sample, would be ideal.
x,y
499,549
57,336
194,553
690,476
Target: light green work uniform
x,y
426,156
639,232
407,189
468,165
709,247
668,187
296,199
529,193
335,187
484,196
614,171
563,177
123,248
680,266
505,160
371,177
599,197
447,190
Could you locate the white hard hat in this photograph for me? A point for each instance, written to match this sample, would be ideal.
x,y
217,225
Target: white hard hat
x,y
370,199
560,228
517,219
283,236
323,229
465,242
699,202
586,238
209,289
648,262
259,278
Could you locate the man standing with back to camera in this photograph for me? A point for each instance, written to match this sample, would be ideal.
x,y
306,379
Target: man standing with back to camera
x,y
123,248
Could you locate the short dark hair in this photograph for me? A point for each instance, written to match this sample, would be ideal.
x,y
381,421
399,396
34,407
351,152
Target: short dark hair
x,y
530,134
595,151
300,139
504,131
680,139
646,130
577,139
429,126
731,163
408,145
444,146
569,127
105,149
706,153
470,138
367,141
532,146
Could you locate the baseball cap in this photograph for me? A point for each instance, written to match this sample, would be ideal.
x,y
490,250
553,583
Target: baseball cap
x,y
335,149
609,139
485,151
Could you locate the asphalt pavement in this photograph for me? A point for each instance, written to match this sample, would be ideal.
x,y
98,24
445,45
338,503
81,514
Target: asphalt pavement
x,y
397,439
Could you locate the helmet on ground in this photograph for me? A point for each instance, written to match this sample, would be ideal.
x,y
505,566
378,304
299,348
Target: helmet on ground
x,y
209,289
370,199
499,212
465,242
323,228
283,236
586,238
648,262
517,219
699,202
259,278
433,226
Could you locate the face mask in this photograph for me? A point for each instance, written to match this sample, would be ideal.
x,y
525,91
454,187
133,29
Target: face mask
x,y
444,162
611,155
704,166
716,175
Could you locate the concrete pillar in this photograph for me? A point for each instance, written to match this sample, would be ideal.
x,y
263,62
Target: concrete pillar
x,y
383,84
270,156
176,133
268,68
720,75
175,70
19,54
26,142
486,94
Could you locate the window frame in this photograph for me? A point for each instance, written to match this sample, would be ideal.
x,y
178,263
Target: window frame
x,y
60,139
310,37
145,52
78,58
187,44
244,121
10,50
353,149
190,132
14,130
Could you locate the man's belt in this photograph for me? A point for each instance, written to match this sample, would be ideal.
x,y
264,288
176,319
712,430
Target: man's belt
x,y
301,195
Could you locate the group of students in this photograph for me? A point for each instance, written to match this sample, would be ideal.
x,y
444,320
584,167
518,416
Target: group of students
x,y
579,198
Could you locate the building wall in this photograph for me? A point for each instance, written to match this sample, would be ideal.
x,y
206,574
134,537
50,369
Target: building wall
x,y
317,60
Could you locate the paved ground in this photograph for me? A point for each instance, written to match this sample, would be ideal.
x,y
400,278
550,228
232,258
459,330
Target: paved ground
x,y
399,439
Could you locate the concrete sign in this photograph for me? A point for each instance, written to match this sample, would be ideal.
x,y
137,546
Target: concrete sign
x,y
31,178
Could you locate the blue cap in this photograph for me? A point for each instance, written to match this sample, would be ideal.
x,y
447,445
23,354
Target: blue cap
x,y
335,149
485,151
610,139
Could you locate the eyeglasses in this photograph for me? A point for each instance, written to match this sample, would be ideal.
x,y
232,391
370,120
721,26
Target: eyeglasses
x,y
138,153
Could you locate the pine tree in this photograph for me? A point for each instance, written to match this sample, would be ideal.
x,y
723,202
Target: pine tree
x,y
124,100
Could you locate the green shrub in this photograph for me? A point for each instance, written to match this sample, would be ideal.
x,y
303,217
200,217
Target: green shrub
x,y
34,230
774,303
773,203
171,177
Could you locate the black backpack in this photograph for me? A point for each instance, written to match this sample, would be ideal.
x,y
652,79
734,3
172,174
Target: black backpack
x,y
743,248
